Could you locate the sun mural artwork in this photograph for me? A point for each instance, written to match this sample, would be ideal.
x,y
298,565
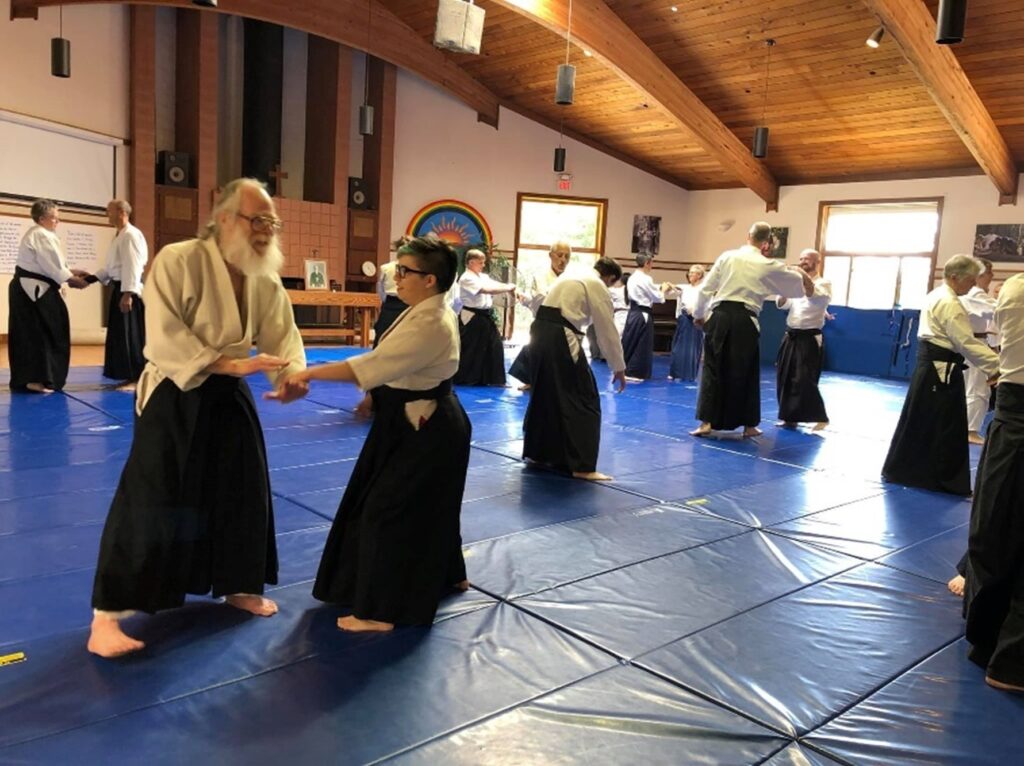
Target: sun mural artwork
x,y
455,222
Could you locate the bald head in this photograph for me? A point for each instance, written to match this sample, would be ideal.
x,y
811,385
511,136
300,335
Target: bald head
x,y
810,261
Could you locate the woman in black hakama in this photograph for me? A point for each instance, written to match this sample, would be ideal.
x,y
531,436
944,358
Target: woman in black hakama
x,y
39,335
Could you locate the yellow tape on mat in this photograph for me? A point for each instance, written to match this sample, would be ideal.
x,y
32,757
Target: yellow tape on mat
x,y
11,659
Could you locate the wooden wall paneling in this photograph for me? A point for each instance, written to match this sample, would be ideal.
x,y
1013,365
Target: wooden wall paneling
x,y
321,120
142,120
342,152
379,150
196,105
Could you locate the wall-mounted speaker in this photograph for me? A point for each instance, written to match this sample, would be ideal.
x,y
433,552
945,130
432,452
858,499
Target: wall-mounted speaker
x,y
357,197
459,27
172,168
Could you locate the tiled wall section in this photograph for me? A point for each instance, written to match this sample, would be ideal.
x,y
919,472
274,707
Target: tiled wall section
x,y
310,226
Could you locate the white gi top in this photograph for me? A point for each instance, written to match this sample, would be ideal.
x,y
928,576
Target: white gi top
x,y
584,299
688,297
641,289
540,285
980,308
470,286
944,323
40,252
745,276
1010,321
192,319
386,284
126,260
808,313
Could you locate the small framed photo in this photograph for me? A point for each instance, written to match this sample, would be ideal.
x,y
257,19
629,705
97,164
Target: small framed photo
x,y
316,275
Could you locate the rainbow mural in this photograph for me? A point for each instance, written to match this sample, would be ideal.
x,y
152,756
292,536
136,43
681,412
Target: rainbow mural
x,y
458,224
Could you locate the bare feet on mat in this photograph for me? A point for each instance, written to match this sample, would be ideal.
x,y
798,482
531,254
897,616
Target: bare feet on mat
x,y
786,424
973,437
463,585
128,388
261,607
591,476
750,432
956,586
703,430
820,426
38,388
1003,687
106,639
353,624
525,387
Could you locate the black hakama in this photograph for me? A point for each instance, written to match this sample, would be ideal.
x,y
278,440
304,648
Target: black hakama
x,y
929,448
730,383
798,369
638,341
390,310
482,356
38,334
562,427
521,368
994,595
192,512
687,343
126,338
395,545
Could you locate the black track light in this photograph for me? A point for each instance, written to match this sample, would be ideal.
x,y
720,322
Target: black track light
x,y
560,159
949,28
60,57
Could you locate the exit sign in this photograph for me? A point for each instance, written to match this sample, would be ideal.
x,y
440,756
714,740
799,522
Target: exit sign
x,y
564,181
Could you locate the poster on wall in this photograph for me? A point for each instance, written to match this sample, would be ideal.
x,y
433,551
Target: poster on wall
x,y
646,234
457,223
1000,242
780,241
84,244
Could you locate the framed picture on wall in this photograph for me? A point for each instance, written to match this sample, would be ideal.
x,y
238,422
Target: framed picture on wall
x,y
780,236
1000,243
316,275
646,234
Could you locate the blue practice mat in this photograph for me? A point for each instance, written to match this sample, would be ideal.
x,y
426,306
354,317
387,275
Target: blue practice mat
x,y
722,601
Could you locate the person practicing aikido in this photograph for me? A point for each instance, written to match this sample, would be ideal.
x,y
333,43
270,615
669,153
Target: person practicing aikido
x,y
540,285
391,306
734,292
798,366
562,428
482,359
395,547
192,512
980,308
688,340
929,447
638,335
994,596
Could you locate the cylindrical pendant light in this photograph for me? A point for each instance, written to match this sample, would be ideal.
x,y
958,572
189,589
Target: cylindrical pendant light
x,y
60,52
560,159
366,120
565,84
366,111
761,142
875,38
949,27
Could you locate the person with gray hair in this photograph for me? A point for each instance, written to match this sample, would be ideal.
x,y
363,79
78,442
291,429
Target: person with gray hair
x,y
981,308
192,512
638,334
123,357
38,327
929,447
482,359
540,285
733,292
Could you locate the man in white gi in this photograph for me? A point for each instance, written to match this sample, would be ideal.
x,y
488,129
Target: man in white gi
x,y
980,308
192,512
482,358
540,285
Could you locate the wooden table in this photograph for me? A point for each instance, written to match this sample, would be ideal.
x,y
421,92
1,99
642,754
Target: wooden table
x,y
366,304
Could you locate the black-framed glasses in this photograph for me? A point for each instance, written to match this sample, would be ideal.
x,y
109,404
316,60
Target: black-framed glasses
x,y
263,224
401,271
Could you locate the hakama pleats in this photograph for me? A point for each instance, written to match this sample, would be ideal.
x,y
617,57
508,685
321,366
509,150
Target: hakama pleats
x,y
390,310
395,545
638,341
521,368
929,448
126,338
798,370
730,383
994,596
687,344
192,512
562,427
481,355
38,335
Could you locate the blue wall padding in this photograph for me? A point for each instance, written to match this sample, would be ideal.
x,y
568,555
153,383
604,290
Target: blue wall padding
x,y
818,650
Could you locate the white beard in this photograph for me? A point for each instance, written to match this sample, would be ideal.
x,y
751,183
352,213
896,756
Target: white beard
x,y
239,253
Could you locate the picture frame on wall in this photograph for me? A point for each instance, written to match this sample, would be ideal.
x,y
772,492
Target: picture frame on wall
x,y
780,238
646,234
1001,243
316,275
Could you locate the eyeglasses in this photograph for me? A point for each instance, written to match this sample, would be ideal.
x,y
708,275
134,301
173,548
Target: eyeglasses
x,y
263,224
401,271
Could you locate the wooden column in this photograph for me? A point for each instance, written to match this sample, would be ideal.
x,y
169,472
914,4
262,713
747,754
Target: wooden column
x,y
142,119
195,117
342,150
261,108
379,149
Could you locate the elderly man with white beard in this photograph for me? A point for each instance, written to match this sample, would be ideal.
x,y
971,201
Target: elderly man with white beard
x,y
192,512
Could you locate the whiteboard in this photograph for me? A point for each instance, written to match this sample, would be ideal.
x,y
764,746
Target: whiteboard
x,y
40,162
85,245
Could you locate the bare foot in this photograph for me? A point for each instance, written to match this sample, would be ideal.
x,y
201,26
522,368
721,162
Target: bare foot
x,y
820,426
261,607
1001,686
128,388
703,430
525,387
973,437
750,432
38,388
591,475
462,585
353,624
106,639
956,586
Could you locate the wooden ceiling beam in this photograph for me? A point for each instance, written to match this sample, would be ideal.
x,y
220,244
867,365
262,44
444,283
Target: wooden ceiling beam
x,y
911,25
388,38
596,28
